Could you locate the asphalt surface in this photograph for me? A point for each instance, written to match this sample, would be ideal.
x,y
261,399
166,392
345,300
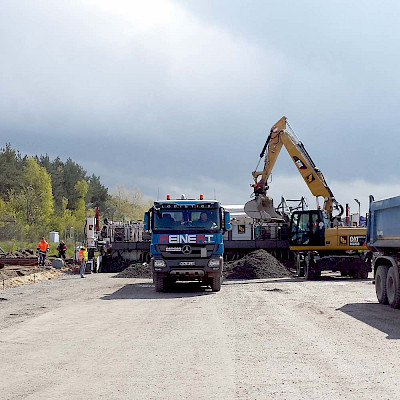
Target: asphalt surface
x,y
104,338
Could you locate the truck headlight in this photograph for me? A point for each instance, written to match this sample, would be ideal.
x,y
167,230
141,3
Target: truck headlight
x,y
159,263
214,262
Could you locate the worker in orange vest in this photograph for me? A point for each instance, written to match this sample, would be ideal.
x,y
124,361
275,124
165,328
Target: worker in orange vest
x,y
83,256
42,249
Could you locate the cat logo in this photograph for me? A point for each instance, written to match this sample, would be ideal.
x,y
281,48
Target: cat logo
x,y
299,163
310,178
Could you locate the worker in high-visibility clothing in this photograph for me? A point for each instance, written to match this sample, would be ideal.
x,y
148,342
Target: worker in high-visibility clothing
x,y
42,249
83,256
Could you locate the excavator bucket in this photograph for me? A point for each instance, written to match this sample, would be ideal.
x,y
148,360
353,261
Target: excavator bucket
x,y
262,207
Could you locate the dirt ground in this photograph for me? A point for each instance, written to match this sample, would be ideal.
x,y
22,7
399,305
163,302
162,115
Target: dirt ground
x,y
17,275
274,338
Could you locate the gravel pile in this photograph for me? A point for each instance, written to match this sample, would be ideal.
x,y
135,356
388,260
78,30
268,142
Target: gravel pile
x,y
19,253
136,270
256,265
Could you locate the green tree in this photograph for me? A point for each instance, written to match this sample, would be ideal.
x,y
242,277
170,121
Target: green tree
x,y
34,203
55,169
127,204
97,193
11,164
72,173
81,189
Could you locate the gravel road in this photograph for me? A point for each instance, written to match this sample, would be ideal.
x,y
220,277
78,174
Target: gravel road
x,y
104,338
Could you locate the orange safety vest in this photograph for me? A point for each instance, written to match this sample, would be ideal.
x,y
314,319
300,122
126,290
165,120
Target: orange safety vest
x,y
83,254
43,245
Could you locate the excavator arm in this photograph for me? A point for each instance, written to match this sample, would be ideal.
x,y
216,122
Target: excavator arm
x,y
281,136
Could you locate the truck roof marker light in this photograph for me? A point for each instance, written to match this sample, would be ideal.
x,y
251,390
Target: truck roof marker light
x,y
168,197
201,196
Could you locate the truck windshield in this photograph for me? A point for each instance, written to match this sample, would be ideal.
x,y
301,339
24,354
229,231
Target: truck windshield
x,y
177,220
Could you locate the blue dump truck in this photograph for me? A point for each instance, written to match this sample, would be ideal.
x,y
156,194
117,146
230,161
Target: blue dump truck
x,y
186,241
383,238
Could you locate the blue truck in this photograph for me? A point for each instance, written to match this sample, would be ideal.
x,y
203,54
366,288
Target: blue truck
x,y
383,238
187,241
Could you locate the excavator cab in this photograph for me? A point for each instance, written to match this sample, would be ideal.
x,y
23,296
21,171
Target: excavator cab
x,y
307,228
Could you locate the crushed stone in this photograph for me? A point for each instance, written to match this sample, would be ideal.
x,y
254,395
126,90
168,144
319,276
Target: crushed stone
x,y
135,270
258,264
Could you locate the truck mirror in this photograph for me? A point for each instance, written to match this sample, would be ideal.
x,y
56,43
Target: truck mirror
x,y
227,221
146,221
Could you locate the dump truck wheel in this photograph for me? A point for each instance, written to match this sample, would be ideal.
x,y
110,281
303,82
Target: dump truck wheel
x,y
216,283
393,288
380,284
158,283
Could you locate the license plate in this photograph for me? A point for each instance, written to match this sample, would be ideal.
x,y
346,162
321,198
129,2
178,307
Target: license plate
x,y
183,263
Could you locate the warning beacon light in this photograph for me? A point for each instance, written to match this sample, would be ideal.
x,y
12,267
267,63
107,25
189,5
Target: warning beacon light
x,y
168,197
201,196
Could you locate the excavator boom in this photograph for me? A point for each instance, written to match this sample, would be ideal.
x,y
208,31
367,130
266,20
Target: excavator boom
x,y
280,136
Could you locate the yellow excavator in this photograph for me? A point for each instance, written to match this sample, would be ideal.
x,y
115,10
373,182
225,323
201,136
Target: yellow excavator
x,y
317,237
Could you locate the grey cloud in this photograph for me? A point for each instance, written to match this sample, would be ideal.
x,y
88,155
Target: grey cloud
x,y
191,104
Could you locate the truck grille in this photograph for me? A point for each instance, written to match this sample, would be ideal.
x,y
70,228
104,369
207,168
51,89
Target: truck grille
x,y
186,251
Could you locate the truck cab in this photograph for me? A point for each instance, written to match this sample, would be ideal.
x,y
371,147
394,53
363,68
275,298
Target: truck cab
x,y
187,241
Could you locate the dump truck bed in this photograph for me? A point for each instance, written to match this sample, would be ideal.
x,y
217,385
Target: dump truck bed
x,y
384,224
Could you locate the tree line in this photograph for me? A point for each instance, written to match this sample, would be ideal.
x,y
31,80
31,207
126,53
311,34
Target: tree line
x,y
39,195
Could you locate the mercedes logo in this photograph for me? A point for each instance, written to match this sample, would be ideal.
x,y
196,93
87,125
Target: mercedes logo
x,y
186,249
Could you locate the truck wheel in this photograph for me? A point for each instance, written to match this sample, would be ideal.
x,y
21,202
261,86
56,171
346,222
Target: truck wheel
x,y
299,266
317,275
308,272
216,283
392,287
380,284
158,283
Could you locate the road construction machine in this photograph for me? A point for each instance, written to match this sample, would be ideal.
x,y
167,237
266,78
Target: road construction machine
x,y
317,237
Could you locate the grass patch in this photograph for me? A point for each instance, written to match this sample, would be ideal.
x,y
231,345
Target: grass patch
x,y
13,245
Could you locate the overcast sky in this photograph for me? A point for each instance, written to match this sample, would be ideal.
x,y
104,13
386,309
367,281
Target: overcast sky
x,y
175,96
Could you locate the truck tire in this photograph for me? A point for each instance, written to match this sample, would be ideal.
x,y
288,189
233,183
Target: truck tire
x,y
159,283
299,266
393,287
380,283
308,272
215,282
317,275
